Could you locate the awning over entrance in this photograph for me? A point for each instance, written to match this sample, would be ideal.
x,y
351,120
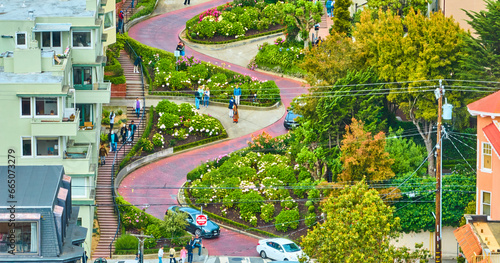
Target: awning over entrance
x,y
51,27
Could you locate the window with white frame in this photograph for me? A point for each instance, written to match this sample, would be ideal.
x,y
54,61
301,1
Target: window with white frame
x,y
78,187
25,107
47,146
82,39
486,203
486,156
21,40
46,106
51,39
26,237
27,146
108,20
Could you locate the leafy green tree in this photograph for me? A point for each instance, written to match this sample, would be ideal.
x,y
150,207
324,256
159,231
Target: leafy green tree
x,y
414,49
482,60
342,17
400,7
407,155
174,223
332,60
358,228
304,15
416,207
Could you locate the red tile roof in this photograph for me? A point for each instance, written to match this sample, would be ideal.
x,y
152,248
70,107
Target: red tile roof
x,y
489,104
468,241
493,135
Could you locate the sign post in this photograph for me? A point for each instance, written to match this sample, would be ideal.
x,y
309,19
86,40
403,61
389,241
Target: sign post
x,y
177,54
201,220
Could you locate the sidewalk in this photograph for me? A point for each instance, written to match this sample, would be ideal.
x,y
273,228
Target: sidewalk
x,y
251,120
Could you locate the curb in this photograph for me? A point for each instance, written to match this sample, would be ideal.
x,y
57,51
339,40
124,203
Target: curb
x,y
216,47
215,103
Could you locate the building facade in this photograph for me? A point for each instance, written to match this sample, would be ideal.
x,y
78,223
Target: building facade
x,y
37,221
52,57
487,110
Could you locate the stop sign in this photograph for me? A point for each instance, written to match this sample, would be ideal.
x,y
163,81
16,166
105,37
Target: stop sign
x,y
201,220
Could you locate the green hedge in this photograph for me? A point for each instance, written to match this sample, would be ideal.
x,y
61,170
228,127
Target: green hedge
x,y
228,221
136,146
182,94
148,53
223,135
234,40
146,251
149,7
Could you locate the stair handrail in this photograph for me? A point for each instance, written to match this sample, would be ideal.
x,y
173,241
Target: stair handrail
x,y
134,55
125,19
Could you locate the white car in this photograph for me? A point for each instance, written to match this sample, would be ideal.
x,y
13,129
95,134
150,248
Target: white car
x,y
279,249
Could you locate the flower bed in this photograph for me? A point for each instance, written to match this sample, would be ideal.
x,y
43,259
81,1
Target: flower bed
x,y
236,20
281,56
190,73
177,125
247,187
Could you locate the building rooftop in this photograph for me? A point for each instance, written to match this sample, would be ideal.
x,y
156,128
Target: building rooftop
x,y
493,135
34,185
18,78
489,105
18,9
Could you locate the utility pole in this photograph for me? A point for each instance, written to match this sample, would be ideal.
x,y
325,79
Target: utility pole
x,y
141,238
439,95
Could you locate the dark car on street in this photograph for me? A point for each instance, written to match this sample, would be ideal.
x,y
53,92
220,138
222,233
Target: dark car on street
x,y
209,231
291,120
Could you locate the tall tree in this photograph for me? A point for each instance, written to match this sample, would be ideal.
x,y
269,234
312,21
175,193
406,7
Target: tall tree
x,y
400,7
406,153
304,15
358,228
342,17
332,60
482,61
414,49
364,155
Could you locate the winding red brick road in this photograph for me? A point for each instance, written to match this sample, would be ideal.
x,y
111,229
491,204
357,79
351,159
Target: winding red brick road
x,y
141,186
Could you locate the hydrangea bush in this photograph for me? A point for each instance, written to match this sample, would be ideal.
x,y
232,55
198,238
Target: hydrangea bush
x,y
235,19
254,183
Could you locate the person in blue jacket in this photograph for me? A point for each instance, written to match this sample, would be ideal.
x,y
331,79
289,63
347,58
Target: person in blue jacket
x,y
231,105
237,95
329,8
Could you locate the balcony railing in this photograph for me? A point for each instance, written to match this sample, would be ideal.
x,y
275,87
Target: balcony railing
x,y
78,152
58,126
55,62
493,258
93,93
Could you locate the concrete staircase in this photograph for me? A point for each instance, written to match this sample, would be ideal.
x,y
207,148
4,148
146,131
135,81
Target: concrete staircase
x,y
108,220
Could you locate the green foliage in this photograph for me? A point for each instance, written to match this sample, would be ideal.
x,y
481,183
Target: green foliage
x,y
166,106
149,6
103,137
288,203
406,154
481,61
311,219
250,202
186,110
158,140
174,223
105,121
458,192
168,121
146,145
342,17
281,57
267,212
126,242
304,15
359,227
119,112
313,195
268,92
287,219
399,7
470,209
302,187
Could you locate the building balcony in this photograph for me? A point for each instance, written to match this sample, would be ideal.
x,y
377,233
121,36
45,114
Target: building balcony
x,y
93,93
59,126
53,62
77,159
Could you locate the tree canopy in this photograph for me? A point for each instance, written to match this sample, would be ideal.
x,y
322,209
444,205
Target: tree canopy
x,y
399,7
358,228
304,15
342,17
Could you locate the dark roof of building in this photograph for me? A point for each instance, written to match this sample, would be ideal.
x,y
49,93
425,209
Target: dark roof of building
x,y
34,185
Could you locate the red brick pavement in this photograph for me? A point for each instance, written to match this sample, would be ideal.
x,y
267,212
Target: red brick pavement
x,y
140,187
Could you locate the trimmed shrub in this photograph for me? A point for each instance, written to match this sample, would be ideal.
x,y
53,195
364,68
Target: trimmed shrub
x,y
126,242
310,219
267,213
166,106
287,219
